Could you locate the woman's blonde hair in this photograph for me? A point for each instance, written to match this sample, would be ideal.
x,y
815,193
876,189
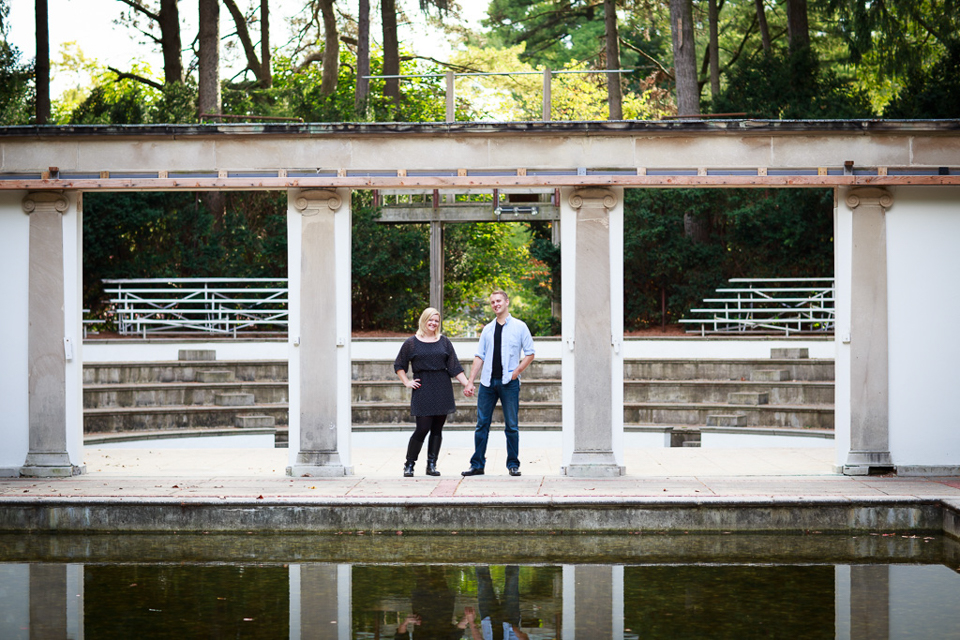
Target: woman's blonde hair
x,y
426,315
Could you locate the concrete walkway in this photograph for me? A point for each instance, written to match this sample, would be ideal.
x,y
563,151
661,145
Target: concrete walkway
x,y
652,474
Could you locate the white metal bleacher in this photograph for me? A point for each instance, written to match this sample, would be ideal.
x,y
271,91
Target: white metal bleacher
x,y
225,306
768,305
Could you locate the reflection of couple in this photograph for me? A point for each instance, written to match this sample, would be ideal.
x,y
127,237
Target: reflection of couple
x,y
499,618
433,603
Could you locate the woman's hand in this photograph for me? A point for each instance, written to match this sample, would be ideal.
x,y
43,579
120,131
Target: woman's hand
x,y
412,384
413,619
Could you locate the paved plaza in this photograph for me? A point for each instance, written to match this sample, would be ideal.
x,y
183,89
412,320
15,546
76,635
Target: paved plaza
x,y
651,474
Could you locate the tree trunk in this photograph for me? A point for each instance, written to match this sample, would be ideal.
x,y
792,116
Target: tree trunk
x,y
243,33
764,29
391,49
798,29
331,49
169,21
266,73
209,66
684,57
614,92
43,62
363,59
714,50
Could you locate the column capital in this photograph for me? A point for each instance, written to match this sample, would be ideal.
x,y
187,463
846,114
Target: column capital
x,y
45,201
313,201
869,197
593,198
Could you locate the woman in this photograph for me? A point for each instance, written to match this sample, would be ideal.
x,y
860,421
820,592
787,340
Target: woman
x,y
434,362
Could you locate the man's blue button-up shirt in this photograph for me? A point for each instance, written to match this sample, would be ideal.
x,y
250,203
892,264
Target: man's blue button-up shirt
x,y
514,339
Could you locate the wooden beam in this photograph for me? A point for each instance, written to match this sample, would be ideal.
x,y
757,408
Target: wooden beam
x,y
476,182
480,212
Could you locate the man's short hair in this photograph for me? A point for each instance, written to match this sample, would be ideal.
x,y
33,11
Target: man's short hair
x,y
500,292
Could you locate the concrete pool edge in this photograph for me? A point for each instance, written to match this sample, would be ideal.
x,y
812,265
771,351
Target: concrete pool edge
x,y
485,515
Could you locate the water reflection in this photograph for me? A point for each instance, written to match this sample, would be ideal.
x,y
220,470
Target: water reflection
x,y
340,601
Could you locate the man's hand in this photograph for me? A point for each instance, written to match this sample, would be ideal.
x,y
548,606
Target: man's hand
x,y
520,634
469,389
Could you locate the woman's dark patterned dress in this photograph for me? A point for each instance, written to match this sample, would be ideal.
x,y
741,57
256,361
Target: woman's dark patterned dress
x,y
434,363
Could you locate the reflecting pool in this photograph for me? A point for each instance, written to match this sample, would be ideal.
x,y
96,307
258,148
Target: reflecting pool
x,y
536,587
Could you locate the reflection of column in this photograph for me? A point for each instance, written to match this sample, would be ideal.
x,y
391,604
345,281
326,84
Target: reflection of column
x,y
48,601
869,602
868,352
74,601
324,602
14,599
592,257
592,602
51,342
436,265
319,284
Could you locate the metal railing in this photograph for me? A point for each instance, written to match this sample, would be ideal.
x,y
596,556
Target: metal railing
x,y
224,306
769,305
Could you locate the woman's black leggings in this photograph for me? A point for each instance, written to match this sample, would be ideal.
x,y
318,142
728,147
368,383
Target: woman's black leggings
x,y
426,424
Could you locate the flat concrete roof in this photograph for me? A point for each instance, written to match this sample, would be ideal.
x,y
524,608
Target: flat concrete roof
x,y
584,127
668,153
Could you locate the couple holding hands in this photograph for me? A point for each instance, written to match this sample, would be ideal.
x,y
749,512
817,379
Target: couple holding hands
x,y
504,351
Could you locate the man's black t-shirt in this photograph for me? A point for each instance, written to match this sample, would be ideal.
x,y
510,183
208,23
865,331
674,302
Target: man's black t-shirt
x,y
497,373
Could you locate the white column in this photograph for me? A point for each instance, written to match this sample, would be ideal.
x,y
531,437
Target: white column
x,y
592,299
862,349
319,352
55,375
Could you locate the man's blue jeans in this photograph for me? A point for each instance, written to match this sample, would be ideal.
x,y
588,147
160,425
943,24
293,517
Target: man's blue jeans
x,y
509,397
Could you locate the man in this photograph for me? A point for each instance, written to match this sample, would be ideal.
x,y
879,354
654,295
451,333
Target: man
x,y
505,350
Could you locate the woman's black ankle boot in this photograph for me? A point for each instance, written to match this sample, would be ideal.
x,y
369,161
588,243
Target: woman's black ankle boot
x,y
433,452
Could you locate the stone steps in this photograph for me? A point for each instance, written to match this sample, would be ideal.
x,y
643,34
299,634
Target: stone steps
x,y
689,369
178,393
659,369
113,419
774,394
181,371
794,416
684,391
382,370
789,392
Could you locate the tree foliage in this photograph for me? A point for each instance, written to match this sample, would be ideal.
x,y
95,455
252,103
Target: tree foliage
x,y
17,94
170,234
668,269
791,86
931,92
